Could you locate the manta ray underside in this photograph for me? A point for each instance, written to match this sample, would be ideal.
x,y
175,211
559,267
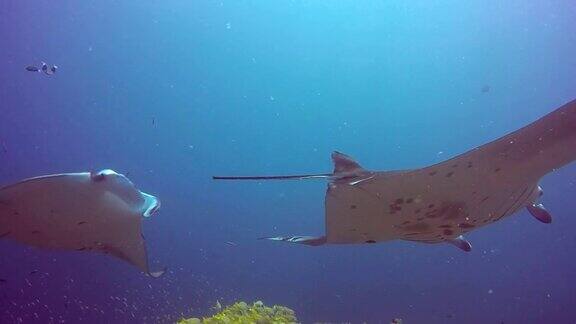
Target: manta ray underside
x,y
90,211
441,202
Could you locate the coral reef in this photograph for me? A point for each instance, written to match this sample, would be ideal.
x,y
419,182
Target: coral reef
x,y
241,312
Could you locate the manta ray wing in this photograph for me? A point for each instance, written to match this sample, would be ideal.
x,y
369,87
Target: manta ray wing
x,y
418,206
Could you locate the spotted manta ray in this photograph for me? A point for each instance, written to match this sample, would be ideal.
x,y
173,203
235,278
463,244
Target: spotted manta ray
x,y
442,202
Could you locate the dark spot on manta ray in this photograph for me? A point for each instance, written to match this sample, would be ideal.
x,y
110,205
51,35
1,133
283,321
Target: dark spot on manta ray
x,y
406,222
352,206
431,206
465,225
81,223
484,199
409,200
33,272
452,210
3,280
449,174
5,234
448,232
370,241
445,226
399,201
81,249
16,213
432,173
469,164
417,211
497,169
35,232
394,208
454,165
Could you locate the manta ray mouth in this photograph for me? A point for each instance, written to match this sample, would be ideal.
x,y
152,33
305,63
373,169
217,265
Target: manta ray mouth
x,y
151,205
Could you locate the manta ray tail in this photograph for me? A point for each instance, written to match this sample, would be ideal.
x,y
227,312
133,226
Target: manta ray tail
x,y
275,177
344,168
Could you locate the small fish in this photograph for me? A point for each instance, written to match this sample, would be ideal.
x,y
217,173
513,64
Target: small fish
x,y
33,272
49,71
217,307
4,148
231,243
485,89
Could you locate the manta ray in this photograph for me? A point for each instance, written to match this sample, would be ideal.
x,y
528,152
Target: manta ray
x,y
89,211
442,202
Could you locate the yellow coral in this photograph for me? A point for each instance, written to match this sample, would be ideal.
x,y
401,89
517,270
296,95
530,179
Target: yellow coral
x,y
240,313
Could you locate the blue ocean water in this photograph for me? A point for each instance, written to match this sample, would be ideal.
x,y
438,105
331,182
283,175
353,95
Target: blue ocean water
x,y
173,92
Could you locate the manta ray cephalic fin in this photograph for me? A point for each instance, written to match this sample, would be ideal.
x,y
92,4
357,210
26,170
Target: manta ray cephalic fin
x,y
461,243
306,240
540,213
157,274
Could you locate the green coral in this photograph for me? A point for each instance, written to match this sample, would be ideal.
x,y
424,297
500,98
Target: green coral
x,y
241,312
